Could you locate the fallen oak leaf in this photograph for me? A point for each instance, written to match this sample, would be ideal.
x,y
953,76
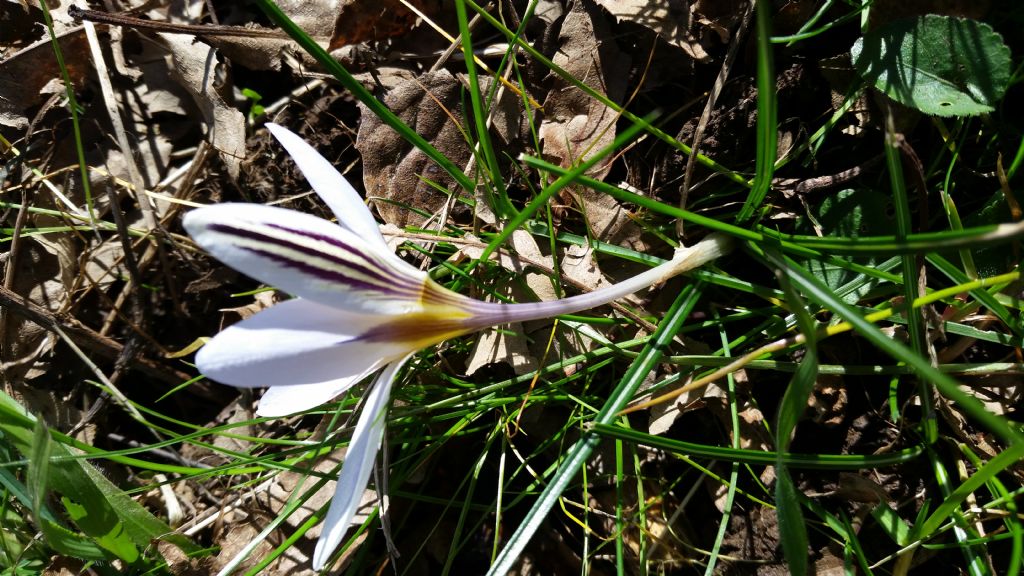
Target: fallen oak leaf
x,y
576,125
364,20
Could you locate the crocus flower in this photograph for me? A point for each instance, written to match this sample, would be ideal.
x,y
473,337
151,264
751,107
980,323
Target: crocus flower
x,y
359,310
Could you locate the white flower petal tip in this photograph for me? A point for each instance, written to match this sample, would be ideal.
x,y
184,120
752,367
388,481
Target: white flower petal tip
x,y
308,257
286,400
332,187
355,472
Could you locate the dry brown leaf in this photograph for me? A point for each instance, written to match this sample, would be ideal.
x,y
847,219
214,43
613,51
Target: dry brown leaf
x,y
527,253
526,247
507,345
261,301
44,274
277,496
828,400
315,17
579,265
669,20
856,488
394,173
29,77
577,126
371,20
105,264
195,67
664,415
20,25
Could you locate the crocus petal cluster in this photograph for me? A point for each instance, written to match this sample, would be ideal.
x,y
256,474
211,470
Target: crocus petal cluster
x,y
358,310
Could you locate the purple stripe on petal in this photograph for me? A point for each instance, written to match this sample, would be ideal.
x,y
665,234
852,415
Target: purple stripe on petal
x,y
342,245
393,283
326,274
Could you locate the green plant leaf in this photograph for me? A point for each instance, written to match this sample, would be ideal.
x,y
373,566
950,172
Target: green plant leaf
x,y
849,213
56,536
891,523
792,531
108,507
111,538
940,65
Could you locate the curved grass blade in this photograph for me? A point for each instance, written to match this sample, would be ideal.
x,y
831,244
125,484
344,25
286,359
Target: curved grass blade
x,y
792,530
362,94
950,388
767,129
582,450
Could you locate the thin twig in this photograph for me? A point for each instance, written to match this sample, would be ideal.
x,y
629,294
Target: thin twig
x,y
200,30
698,134
85,337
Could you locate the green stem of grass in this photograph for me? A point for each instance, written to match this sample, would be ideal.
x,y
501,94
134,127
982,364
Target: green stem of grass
x,y
581,451
362,94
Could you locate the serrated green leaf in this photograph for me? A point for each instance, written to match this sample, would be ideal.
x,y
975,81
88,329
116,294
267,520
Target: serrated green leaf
x,y
938,64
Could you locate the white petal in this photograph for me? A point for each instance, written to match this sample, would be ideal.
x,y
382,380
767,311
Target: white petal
x,y
295,342
332,187
285,400
355,472
308,257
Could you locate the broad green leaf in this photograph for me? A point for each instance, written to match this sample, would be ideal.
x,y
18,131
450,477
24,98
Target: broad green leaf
x,y
938,64
111,538
849,213
106,504
56,536
15,527
68,543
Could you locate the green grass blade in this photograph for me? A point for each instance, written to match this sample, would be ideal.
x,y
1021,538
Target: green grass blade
x,y
833,462
581,451
730,495
767,128
69,87
792,530
569,177
562,73
821,295
1011,456
497,198
915,322
362,94
984,296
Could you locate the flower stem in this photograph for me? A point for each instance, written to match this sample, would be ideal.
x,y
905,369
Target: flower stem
x,y
685,259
